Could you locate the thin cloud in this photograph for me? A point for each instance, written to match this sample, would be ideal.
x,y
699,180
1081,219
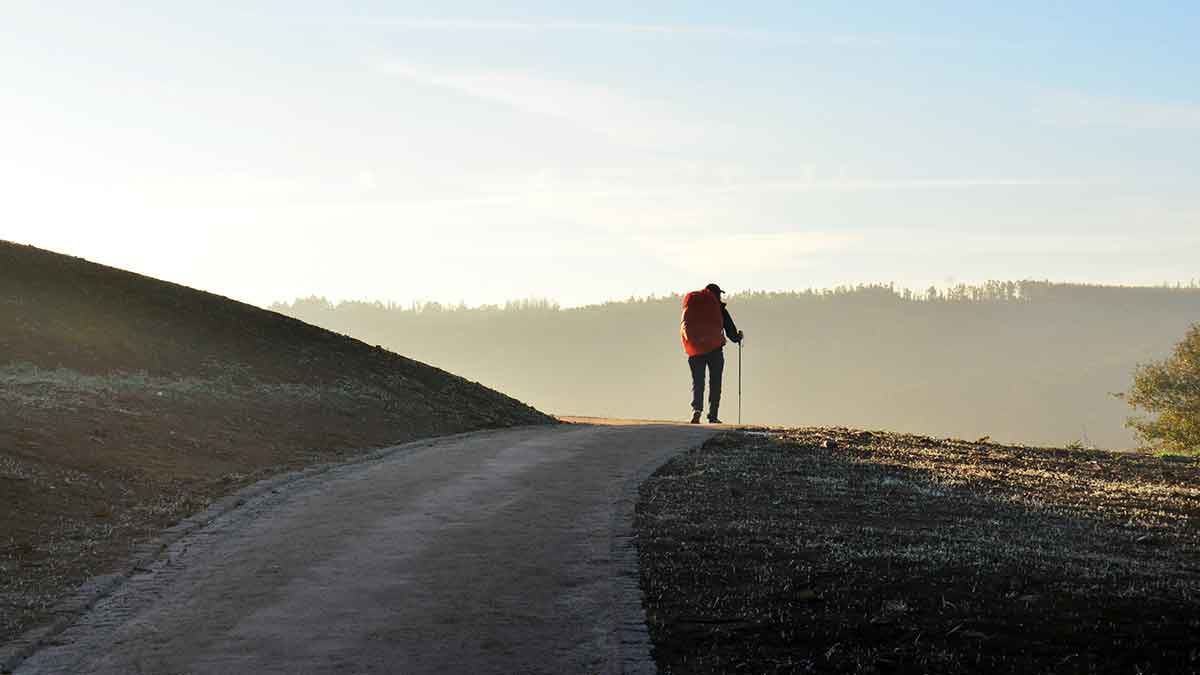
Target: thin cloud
x,y
682,188
901,184
1023,245
674,30
595,108
746,253
523,196
1074,109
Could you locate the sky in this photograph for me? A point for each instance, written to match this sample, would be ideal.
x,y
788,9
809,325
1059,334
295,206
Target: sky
x,y
581,152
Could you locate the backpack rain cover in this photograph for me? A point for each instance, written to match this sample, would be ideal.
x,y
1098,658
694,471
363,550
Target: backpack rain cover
x,y
701,327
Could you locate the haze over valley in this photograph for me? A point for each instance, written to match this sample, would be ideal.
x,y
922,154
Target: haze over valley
x,y
1021,362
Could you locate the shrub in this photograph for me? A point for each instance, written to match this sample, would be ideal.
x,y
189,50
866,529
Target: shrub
x,y
1170,390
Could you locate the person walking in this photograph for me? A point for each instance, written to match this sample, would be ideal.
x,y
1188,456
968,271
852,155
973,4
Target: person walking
x,y
703,328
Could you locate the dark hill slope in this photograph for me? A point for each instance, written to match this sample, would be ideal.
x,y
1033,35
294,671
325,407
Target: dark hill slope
x,y
127,403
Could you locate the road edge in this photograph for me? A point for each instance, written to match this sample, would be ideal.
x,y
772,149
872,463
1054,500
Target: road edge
x,y
632,644
87,595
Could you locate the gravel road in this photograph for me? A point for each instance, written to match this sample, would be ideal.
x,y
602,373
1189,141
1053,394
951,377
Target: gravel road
x,y
495,552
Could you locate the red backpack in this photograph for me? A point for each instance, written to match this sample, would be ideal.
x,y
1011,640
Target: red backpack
x,y
701,327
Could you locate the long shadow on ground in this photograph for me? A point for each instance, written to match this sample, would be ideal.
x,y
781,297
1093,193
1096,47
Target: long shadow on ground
x,y
830,550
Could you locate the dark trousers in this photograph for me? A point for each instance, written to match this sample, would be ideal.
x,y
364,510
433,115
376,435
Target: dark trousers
x,y
715,361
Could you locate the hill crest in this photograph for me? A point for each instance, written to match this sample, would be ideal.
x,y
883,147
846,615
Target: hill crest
x,y
127,403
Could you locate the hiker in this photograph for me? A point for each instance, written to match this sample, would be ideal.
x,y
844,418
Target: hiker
x,y
703,327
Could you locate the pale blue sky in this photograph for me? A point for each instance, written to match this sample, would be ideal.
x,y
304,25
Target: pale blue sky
x,y
588,151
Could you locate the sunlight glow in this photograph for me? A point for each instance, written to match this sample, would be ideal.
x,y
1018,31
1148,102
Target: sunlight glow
x,y
585,155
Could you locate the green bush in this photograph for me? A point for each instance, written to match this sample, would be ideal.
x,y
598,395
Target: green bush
x,y
1170,390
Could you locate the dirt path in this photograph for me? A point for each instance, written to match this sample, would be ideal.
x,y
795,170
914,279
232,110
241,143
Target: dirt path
x,y
494,552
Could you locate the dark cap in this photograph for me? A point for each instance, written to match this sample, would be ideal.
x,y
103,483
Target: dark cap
x,y
714,288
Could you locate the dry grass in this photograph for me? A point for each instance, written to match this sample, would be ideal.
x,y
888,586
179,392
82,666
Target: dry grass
x,y
67,390
127,404
831,550
92,465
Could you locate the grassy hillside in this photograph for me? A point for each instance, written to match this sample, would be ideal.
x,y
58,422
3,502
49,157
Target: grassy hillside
x,y
127,403
1028,362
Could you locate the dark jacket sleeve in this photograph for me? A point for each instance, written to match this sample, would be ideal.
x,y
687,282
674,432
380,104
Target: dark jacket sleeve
x,y
731,330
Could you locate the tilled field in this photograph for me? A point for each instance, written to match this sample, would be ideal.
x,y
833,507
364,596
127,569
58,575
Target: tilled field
x,y
832,550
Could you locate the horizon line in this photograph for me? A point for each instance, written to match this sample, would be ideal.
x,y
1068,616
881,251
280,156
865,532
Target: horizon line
x,y
898,290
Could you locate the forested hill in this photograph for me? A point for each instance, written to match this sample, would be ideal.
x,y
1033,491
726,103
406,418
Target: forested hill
x,y
1032,362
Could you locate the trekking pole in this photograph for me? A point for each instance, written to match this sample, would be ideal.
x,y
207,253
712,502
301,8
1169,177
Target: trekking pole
x,y
739,382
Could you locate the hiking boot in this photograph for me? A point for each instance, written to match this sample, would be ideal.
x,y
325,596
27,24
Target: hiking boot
x,y
695,417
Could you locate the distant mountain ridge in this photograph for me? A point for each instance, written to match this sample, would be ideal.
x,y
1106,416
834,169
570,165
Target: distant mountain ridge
x,y
1022,361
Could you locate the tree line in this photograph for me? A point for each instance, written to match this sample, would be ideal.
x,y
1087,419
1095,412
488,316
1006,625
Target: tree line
x,y
1023,361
